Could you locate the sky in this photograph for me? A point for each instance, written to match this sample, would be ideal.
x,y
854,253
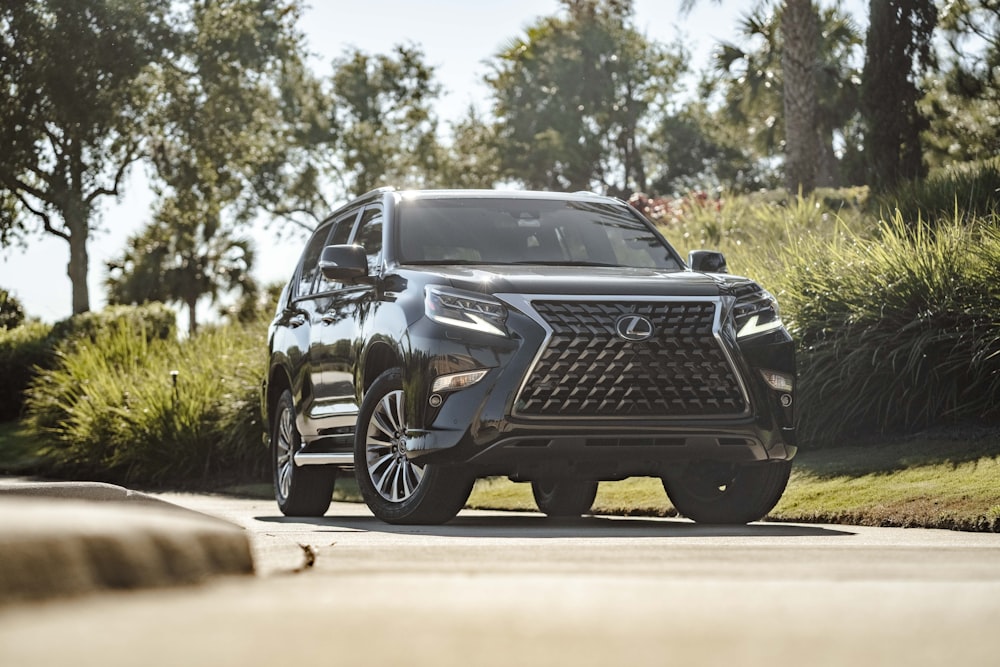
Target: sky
x,y
456,36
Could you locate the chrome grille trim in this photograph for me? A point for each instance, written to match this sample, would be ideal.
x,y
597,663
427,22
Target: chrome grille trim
x,y
526,304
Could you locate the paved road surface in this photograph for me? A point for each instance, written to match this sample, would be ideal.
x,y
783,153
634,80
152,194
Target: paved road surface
x,y
510,589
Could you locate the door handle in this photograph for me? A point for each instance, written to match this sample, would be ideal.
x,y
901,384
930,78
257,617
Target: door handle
x,y
295,321
329,319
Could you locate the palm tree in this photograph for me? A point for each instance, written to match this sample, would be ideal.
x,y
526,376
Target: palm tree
x,y
180,263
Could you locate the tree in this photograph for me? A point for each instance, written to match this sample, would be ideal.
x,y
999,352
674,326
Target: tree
x,y
11,310
75,88
177,259
572,95
386,131
218,122
472,160
753,80
963,104
898,50
799,59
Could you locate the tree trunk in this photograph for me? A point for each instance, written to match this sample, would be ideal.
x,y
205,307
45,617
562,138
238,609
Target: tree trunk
x,y
77,222
800,35
192,317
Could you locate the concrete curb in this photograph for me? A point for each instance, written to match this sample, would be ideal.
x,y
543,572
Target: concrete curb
x,y
72,538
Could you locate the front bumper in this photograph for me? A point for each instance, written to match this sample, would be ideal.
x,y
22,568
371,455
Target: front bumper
x,y
480,425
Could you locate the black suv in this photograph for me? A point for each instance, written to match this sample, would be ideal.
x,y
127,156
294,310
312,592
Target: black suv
x,y
428,338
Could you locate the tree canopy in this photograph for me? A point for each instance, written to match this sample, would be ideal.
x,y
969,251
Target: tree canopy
x,y
74,80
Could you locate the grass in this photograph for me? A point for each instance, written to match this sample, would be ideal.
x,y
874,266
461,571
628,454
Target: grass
x,y
946,479
940,480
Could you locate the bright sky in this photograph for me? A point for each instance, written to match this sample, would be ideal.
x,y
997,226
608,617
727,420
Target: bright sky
x,y
456,36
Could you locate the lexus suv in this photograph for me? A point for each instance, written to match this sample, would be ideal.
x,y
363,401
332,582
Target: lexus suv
x,y
430,338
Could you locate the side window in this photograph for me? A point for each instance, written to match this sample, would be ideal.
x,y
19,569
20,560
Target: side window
x,y
341,232
309,265
370,237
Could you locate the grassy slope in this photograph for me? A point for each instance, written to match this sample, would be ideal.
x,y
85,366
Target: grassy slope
x,y
949,479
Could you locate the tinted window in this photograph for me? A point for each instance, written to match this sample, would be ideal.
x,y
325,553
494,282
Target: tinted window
x,y
370,237
341,233
309,266
528,231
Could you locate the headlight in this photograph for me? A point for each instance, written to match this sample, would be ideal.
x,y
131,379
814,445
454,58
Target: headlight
x,y
756,312
466,310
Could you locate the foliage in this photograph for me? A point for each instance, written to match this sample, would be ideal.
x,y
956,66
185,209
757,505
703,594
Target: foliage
x,y
895,333
572,95
114,410
195,88
967,99
696,148
155,320
26,349
22,350
386,130
753,85
72,119
898,51
11,310
181,263
971,189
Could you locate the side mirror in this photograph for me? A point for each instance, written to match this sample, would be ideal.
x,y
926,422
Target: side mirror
x,y
343,263
707,261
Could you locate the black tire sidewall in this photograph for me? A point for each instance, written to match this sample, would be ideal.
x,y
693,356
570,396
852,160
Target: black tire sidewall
x,y
311,487
755,490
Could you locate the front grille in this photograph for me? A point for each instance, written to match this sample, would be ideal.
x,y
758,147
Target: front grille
x,y
587,371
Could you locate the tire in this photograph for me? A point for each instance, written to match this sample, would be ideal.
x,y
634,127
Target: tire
x,y
564,497
397,489
720,493
299,490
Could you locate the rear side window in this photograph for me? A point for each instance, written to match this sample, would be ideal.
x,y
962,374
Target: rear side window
x,y
308,278
370,238
309,265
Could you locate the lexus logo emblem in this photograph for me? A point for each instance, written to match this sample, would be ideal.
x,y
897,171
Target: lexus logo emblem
x,y
634,328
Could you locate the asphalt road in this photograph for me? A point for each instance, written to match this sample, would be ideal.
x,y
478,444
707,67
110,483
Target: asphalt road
x,y
519,589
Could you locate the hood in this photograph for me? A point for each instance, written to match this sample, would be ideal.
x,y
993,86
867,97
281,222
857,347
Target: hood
x,y
572,280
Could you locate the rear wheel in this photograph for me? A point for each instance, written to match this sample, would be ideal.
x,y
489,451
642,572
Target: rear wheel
x,y
561,497
724,493
396,488
299,490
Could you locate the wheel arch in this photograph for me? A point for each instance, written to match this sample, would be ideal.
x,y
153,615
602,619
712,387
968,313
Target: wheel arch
x,y
278,381
380,358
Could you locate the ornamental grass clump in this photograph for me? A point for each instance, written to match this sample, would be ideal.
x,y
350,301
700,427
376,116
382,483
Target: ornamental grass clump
x,y
896,333
114,409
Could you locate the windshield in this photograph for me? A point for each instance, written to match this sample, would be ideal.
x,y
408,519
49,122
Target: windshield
x,y
527,231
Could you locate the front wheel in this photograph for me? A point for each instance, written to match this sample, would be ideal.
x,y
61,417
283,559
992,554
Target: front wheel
x,y
396,488
564,497
299,490
725,493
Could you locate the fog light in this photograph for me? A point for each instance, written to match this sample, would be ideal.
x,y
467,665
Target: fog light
x,y
457,380
435,400
786,400
778,381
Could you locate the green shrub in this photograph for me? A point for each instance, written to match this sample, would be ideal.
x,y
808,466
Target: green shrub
x,y
25,349
754,230
155,320
973,191
113,409
21,350
896,333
